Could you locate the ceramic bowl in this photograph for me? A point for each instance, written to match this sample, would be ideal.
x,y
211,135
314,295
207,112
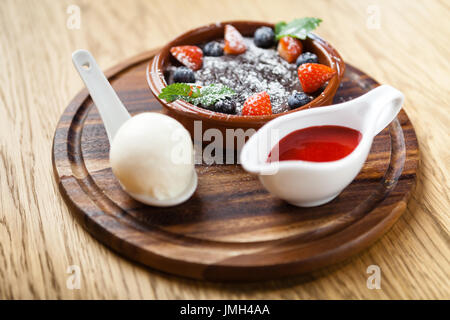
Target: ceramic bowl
x,y
187,113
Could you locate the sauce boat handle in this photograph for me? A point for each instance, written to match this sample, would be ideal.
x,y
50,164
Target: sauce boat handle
x,y
385,103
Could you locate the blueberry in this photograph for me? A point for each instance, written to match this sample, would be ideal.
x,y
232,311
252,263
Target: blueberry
x,y
183,74
213,49
226,105
307,57
264,37
298,99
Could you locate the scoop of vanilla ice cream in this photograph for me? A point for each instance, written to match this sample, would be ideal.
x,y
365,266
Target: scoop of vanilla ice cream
x,y
152,155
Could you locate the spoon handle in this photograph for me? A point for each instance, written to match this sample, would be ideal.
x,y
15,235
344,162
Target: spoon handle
x,y
111,109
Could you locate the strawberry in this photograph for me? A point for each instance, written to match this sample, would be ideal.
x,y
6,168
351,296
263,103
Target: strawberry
x,y
313,75
289,48
190,56
257,105
234,42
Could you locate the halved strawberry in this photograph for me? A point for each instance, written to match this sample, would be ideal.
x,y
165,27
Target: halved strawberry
x,y
190,56
234,42
257,105
289,48
313,75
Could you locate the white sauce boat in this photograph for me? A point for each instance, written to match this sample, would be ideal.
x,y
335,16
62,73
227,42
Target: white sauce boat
x,y
309,184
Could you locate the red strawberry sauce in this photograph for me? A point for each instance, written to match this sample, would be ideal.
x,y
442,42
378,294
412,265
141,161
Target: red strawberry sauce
x,y
317,144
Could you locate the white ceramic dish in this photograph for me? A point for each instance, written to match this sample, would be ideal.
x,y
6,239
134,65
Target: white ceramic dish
x,y
308,184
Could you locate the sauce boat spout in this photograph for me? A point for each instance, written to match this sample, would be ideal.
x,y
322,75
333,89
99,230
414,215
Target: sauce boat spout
x,y
308,183
379,107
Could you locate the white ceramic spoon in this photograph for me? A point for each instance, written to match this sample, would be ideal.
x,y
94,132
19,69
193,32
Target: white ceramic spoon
x,y
114,115
309,184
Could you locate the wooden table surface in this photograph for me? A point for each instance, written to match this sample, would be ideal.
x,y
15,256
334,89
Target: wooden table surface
x,y
402,43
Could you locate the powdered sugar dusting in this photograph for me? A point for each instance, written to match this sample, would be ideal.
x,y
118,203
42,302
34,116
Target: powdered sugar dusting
x,y
253,71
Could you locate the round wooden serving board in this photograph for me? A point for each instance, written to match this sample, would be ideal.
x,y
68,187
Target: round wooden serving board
x,y
231,229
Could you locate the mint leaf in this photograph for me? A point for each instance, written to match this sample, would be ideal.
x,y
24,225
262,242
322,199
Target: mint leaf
x,y
205,96
280,25
212,93
297,28
175,91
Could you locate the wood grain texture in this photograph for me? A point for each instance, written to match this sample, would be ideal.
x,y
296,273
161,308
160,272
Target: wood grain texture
x,y
232,229
39,238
